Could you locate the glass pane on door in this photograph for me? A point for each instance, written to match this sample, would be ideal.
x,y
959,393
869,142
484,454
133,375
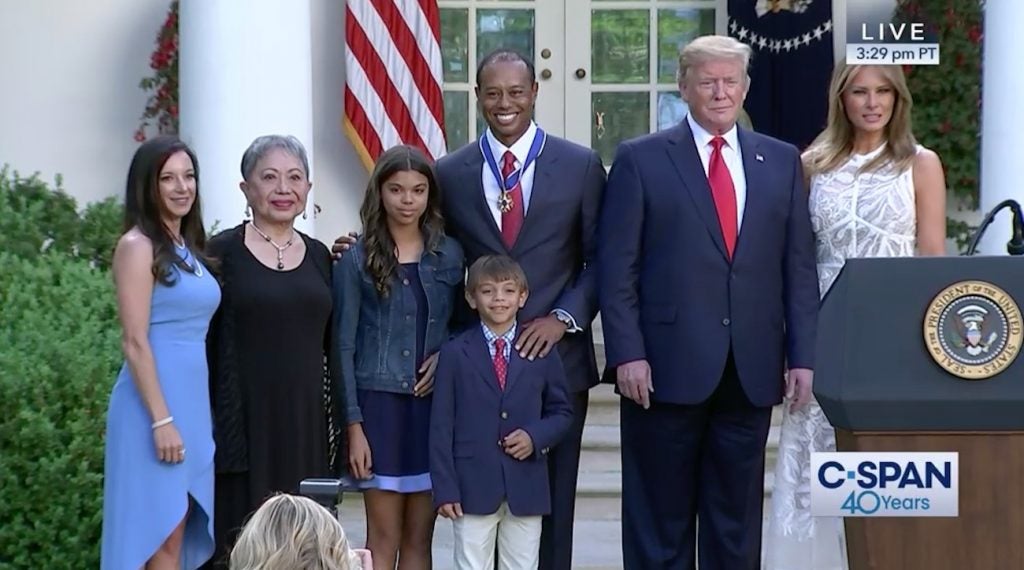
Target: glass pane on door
x,y
633,56
456,118
621,46
504,29
617,117
470,29
676,28
455,44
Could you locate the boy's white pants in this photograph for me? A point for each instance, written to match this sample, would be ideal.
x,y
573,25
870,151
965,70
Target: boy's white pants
x,y
518,540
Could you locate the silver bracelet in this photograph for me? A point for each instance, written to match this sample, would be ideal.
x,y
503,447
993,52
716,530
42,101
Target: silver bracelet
x,y
163,422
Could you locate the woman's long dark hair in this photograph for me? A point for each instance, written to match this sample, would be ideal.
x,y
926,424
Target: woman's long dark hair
x,y
381,260
143,207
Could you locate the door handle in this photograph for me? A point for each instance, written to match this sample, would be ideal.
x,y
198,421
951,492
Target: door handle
x,y
581,73
545,74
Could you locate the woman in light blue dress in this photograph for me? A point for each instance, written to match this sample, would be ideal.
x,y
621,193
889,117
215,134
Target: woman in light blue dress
x,y
158,487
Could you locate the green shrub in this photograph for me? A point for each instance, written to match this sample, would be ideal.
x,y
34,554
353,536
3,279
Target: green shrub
x,y
59,355
34,218
947,98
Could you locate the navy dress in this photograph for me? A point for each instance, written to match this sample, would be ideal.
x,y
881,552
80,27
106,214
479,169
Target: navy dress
x,y
396,425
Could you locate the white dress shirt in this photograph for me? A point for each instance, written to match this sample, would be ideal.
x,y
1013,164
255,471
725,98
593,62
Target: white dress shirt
x,y
520,149
492,190
733,161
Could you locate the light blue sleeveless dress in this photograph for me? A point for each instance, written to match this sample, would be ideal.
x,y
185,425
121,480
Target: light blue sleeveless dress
x,y
144,499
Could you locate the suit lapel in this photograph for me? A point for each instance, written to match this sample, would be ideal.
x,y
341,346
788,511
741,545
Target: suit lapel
x,y
753,169
516,365
540,196
482,211
682,152
477,352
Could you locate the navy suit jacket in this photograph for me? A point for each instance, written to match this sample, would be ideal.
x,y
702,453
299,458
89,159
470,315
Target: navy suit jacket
x,y
471,415
556,245
670,294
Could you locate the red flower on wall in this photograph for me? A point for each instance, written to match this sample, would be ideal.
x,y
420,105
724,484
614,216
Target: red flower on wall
x,y
162,107
974,34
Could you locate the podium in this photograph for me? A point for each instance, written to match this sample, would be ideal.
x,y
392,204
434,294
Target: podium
x,y
920,354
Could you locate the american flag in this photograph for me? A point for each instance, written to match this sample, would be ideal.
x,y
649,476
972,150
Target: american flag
x,y
393,76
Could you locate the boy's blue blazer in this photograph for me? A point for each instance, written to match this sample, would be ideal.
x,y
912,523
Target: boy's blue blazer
x,y
471,415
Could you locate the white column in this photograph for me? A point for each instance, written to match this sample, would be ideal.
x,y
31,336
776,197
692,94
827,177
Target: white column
x,y
839,29
1002,121
245,71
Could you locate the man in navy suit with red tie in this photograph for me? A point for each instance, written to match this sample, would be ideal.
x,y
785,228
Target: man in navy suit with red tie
x,y
708,293
534,197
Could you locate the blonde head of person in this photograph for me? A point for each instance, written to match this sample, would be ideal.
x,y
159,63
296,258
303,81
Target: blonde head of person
x,y
290,532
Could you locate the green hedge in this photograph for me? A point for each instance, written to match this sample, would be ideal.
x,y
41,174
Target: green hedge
x,y
34,217
59,353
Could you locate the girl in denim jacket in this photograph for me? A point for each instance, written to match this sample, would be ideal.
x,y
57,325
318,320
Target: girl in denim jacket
x,y
395,290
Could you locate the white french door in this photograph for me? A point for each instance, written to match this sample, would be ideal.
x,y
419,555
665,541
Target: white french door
x,y
621,62
472,28
606,68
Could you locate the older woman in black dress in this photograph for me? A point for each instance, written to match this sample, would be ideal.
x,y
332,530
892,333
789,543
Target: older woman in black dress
x,y
269,343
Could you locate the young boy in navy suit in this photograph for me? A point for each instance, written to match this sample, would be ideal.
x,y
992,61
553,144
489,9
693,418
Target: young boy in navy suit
x,y
495,417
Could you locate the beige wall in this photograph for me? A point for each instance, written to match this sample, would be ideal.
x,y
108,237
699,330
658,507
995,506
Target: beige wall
x,y
70,100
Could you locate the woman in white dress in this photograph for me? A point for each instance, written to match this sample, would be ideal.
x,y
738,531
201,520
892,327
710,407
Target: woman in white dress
x,y
874,192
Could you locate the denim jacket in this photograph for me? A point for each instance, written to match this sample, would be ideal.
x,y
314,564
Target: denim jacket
x,y
376,335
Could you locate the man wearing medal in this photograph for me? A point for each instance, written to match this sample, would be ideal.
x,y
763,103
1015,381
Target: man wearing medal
x,y
520,192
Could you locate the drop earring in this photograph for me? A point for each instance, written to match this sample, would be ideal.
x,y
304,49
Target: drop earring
x,y
248,212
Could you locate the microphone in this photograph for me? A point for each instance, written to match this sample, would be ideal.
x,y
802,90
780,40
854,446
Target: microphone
x,y
1016,244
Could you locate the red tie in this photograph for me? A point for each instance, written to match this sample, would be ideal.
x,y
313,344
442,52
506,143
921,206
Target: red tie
x,y
500,363
512,220
724,194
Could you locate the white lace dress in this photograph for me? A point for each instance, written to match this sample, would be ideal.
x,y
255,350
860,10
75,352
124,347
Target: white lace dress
x,y
853,215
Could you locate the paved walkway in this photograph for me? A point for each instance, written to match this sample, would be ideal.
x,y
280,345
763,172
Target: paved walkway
x,y
597,544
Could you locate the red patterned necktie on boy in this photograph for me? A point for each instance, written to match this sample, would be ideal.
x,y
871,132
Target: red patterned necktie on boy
x,y
500,362
724,194
512,220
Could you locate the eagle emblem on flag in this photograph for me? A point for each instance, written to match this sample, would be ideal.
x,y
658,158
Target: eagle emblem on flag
x,y
763,7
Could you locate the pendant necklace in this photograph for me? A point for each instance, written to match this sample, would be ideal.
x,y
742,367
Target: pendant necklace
x,y
280,248
184,253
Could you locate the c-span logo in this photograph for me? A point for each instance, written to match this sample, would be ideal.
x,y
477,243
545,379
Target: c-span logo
x,y
973,329
848,484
